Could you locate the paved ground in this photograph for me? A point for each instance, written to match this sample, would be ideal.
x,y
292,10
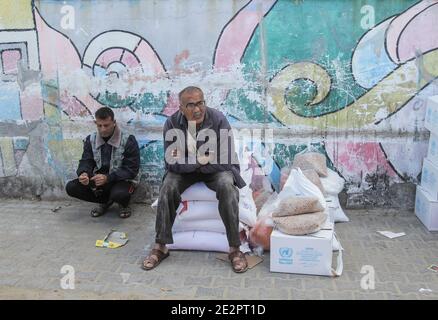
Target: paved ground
x,y
35,243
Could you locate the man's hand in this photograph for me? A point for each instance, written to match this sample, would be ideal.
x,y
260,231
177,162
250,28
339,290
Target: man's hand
x,y
176,153
83,178
99,179
205,159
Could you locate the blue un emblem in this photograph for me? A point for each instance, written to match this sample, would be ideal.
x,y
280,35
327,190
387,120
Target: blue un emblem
x,y
286,252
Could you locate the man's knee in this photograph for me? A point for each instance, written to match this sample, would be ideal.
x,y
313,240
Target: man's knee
x,y
72,188
225,182
169,188
120,195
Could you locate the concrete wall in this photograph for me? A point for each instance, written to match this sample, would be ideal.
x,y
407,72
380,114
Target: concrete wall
x,y
349,77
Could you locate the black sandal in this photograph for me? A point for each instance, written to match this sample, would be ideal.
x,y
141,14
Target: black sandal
x,y
124,212
100,210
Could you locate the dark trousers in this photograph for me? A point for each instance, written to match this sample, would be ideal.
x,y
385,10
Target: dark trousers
x,y
174,185
119,192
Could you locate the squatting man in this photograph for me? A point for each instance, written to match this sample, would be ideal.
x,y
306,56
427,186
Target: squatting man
x,y
108,171
199,146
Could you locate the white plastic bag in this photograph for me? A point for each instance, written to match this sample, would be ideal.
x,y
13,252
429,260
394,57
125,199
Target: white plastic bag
x,y
333,183
298,185
268,206
336,212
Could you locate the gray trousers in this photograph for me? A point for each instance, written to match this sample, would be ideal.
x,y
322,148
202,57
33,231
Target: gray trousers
x,y
169,199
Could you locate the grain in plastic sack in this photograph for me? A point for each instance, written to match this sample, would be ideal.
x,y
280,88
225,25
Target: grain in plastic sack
x,y
313,176
301,224
268,206
296,205
309,159
298,185
310,174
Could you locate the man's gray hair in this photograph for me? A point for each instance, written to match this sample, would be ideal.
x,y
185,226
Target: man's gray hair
x,y
189,89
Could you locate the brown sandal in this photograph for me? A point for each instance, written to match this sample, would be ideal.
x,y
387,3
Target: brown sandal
x,y
234,263
154,261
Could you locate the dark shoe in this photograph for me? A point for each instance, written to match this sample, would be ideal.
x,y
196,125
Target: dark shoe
x,y
238,258
125,212
100,209
154,259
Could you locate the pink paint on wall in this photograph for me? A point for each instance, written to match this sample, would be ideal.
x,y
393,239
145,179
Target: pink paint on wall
x,y
129,60
32,107
420,34
356,159
172,104
72,106
397,26
237,34
58,55
149,59
57,52
10,60
109,56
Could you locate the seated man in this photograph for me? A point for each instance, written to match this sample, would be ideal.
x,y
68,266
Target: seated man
x,y
108,170
185,165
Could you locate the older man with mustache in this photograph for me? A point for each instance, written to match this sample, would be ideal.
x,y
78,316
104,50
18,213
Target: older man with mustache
x,y
185,136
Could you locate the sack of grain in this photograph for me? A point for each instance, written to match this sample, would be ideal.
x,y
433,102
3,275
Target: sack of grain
x,y
301,224
297,205
311,160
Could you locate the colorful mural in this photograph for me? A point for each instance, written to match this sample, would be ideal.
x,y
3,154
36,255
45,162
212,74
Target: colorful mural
x,y
349,77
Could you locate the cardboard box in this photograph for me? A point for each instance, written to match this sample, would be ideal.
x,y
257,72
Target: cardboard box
x,y
429,178
431,118
432,152
308,254
426,209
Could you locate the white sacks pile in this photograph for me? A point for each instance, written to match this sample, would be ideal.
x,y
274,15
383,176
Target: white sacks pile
x,y
198,225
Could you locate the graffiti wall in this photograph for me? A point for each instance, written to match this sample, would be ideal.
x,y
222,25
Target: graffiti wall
x,y
349,78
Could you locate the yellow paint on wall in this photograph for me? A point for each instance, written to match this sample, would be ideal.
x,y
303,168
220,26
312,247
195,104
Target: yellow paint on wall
x,y
67,151
16,14
388,96
51,112
9,167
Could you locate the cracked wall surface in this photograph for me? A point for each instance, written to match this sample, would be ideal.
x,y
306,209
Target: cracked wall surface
x,y
348,78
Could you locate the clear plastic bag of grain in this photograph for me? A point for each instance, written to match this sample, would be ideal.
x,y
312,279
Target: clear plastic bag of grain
x,y
296,205
313,176
301,224
311,160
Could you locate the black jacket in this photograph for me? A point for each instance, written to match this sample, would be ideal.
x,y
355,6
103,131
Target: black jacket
x,y
130,164
215,121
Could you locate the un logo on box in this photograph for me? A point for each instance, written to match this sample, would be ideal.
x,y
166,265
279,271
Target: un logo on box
x,y
285,255
286,252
